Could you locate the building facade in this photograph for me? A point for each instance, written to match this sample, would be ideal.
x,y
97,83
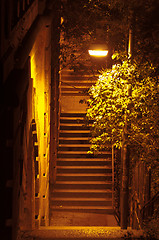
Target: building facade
x,y
29,96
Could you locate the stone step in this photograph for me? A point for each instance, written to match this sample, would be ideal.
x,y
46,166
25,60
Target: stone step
x,y
73,148
73,123
74,94
81,154
76,78
72,115
70,85
81,149
82,193
84,169
58,202
73,89
75,134
84,83
77,145
73,131
85,209
83,162
71,127
83,185
83,177
73,120
72,141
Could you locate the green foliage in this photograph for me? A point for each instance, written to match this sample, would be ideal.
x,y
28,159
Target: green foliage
x,y
77,31
114,105
81,19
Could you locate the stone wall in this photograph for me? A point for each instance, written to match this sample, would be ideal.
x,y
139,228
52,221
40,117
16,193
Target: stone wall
x,y
40,74
25,116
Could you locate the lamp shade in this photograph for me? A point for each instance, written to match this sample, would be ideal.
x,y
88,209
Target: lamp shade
x,y
98,50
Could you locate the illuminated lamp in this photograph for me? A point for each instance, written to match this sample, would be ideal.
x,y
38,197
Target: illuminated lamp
x,y
98,50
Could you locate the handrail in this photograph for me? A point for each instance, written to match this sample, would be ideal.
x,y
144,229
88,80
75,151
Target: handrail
x,y
116,211
152,200
113,174
148,209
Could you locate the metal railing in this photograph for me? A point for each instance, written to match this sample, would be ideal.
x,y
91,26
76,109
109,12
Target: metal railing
x,y
116,182
150,207
140,194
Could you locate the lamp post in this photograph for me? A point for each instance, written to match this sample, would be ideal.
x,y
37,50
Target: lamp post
x,y
125,157
97,51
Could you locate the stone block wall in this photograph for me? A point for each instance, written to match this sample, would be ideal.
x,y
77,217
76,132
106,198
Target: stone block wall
x,y
41,76
25,43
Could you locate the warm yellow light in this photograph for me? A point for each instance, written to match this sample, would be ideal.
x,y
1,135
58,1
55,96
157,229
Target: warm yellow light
x,y
98,53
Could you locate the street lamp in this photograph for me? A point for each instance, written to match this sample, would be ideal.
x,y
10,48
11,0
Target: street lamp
x,y
98,50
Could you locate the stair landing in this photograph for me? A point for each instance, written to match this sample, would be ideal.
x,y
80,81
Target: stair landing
x,y
83,233
82,219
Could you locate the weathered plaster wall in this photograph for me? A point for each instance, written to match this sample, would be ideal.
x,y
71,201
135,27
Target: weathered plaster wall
x,y
40,73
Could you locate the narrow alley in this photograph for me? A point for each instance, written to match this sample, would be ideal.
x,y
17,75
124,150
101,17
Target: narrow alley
x,y
82,194
52,187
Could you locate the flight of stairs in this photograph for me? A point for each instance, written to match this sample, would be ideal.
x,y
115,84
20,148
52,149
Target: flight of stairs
x,y
74,89
76,84
83,181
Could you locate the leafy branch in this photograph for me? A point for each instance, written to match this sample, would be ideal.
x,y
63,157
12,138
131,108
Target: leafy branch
x,y
110,102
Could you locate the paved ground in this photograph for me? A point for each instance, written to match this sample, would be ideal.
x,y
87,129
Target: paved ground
x,y
82,233
82,226
82,219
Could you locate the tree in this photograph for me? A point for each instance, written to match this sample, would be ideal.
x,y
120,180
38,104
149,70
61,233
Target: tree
x,y
82,19
110,102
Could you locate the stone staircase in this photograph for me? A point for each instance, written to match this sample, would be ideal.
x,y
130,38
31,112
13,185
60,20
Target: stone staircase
x,y
76,83
83,181
74,87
